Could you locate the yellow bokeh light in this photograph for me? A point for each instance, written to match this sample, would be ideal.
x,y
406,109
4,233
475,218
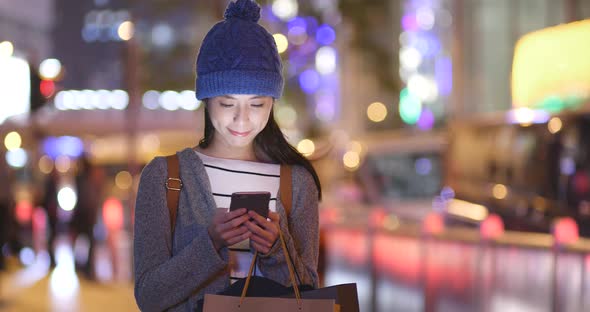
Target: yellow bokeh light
x,y
554,125
281,41
552,61
45,164
63,163
351,160
306,147
499,191
125,30
286,116
12,141
6,49
355,146
377,112
123,180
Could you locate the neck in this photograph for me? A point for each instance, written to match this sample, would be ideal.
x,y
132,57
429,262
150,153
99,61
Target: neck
x,y
214,150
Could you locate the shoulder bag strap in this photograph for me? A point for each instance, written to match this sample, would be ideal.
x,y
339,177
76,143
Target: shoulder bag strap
x,y
285,188
173,187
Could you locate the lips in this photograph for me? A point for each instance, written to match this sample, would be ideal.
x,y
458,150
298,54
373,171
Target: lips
x,y
237,133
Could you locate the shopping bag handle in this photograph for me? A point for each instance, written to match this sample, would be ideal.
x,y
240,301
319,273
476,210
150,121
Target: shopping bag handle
x,y
289,266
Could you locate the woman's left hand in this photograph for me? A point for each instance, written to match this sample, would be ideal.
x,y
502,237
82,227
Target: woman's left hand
x,y
264,232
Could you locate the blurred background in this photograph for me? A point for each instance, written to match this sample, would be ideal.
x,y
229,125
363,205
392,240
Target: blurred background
x,y
451,138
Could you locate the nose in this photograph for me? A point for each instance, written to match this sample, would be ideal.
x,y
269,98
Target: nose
x,y
241,114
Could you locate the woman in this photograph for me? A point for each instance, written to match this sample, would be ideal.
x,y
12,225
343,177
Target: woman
x,y
238,79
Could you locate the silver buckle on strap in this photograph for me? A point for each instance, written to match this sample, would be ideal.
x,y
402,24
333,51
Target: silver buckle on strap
x,y
176,186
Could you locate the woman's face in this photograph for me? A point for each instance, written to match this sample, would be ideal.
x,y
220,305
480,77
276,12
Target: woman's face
x,y
237,119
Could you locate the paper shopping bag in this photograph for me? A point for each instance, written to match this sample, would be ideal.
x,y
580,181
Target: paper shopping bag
x,y
345,296
219,303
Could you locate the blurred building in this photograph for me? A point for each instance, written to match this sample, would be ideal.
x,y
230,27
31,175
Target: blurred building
x,y
28,29
486,33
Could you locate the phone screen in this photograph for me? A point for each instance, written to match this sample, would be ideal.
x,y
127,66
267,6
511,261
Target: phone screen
x,y
257,201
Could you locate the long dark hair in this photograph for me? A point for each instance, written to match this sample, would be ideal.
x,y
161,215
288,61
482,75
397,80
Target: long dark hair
x,y
269,144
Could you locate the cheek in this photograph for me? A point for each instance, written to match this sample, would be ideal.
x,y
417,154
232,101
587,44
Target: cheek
x,y
263,119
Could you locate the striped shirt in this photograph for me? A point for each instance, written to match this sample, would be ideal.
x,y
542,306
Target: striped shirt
x,y
227,176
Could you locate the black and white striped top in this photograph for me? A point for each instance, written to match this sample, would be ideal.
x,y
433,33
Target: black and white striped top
x,y
230,175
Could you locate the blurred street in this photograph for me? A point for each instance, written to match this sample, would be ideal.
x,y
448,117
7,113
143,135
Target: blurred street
x,y
38,287
460,272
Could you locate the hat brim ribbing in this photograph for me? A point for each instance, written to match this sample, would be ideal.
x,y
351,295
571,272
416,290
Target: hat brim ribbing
x,y
239,82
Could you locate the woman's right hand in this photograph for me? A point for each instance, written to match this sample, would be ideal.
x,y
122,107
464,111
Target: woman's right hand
x,y
228,228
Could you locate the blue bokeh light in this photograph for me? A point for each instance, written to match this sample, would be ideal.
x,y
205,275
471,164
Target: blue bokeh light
x,y
297,22
309,80
325,35
65,145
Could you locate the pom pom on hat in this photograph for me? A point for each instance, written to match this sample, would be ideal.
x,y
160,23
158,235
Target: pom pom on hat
x,y
243,9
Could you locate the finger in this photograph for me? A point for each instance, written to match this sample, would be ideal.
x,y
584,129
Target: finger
x,y
239,238
237,233
258,247
274,217
262,241
255,228
254,215
234,223
263,222
234,214
263,237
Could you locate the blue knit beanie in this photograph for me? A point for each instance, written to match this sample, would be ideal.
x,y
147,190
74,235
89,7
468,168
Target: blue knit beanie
x,y
238,56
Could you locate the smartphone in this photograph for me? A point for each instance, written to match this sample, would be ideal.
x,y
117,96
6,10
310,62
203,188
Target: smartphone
x,y
257,201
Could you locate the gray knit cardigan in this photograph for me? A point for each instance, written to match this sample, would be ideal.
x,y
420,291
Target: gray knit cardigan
x,y
175,272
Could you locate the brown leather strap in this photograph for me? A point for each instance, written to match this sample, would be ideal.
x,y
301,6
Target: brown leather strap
x,y
173,187
285,188
290,266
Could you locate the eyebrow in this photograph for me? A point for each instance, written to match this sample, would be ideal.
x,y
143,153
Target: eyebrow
x,y
233,98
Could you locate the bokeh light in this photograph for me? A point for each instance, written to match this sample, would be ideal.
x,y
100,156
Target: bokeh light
x,y
285,9
410,107
554,125
62,163
12,140
67,198
125,30
286,116
499,191
50,69
325,60
16,158
377,112
45,164
426,120
297,35
123,180
281,41
309,80
351,160
6,49
325,35
306,147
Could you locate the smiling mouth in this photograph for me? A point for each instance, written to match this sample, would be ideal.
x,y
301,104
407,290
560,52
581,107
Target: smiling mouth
x,y
240,134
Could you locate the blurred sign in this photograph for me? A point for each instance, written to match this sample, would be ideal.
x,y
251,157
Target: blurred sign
x,y
551,67
14,87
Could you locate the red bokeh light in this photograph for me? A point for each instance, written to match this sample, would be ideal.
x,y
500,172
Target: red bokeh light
x,y
433,223
491,227
565,231
112,214
24,210
47,88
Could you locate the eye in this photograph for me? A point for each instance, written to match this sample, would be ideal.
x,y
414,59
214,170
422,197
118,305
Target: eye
x,y
257,105
225,105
